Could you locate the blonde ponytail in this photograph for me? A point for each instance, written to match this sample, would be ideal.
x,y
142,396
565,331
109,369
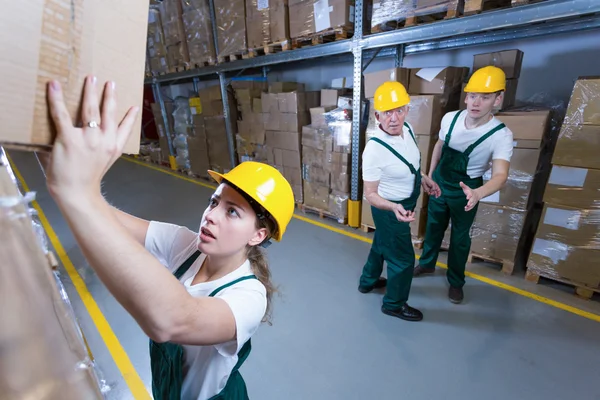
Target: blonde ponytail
x,y
260,268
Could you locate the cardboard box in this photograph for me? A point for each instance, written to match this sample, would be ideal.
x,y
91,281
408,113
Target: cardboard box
x,y
316,175
578,146
375,79
311,16
528,127
329,97
257,105
279,16
509,61
516,192
584,105
296,102
292,122
293,175
269,102
231,26
164,148
575,187
287,158
338,204
283,87
495,245
500,219
313,157
572,226
317,116
44,44
425,114
442,80
317,138
316,196
426,145
198,155
340,181
283,140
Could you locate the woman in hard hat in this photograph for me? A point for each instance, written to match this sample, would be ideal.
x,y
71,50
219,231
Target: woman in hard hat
x,y
392,181
469,140
199,296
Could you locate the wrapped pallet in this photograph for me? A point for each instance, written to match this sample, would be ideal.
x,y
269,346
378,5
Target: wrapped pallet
x,y
199,33
252,121
178,56
157,46
231,27
308,17
388,14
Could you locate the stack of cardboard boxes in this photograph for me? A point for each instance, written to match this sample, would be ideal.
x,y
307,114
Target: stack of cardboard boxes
x,y
326,157
178,55
311,16
251,122
199,34
231,27
567,243
157,46
286,108
267,22
161,129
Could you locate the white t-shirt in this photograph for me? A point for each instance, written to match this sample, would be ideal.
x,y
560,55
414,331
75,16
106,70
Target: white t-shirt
x,y
207,368
499,146
396,182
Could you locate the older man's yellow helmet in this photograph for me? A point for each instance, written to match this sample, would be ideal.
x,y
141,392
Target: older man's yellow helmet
x,y
390,95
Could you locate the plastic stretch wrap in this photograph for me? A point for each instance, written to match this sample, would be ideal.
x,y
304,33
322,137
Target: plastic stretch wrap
x,y
174,33
503,220
43,353
584,105
517,190
338,205
578,146
258,23
157,47
182,129
312,16
575,187
339,122
390,11
198,30
231,26
216,138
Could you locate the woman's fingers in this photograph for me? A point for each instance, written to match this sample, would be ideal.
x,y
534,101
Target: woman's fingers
x,y
90,111
126,126
58,110
109,107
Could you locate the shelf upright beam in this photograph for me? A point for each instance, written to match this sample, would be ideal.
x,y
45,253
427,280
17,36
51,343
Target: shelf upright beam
x,y
354,205
156,90
399,56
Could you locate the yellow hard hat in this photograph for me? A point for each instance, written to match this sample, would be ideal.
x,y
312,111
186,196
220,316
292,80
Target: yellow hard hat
x,y
390,95
266,186
488,79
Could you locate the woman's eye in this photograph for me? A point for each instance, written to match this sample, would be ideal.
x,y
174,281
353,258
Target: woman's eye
x,y
233,212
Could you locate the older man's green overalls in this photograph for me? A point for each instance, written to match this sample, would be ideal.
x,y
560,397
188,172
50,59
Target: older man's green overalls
x,y
451,170
166,359
393,243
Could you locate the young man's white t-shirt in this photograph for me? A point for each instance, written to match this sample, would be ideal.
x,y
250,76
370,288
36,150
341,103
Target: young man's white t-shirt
x,y
207,368
396,182
499,146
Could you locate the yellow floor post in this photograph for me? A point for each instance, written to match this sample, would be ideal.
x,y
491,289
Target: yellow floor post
x,y
354,213
173,163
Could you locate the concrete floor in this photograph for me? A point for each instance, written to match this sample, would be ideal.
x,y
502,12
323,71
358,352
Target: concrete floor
x,y
330,342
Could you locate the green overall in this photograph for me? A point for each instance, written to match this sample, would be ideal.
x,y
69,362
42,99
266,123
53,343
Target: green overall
x,y
393,243
450,206
166,359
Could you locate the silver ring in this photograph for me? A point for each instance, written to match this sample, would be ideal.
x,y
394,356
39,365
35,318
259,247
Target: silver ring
x,y
92,124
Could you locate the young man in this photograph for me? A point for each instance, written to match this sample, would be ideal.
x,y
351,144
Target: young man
x,y
392,182
468,140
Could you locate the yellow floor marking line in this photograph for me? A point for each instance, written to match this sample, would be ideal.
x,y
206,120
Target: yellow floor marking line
x,y
481,278
133,380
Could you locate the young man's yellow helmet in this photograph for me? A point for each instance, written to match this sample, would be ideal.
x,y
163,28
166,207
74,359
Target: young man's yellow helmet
x,y
266,186
390,95
488,79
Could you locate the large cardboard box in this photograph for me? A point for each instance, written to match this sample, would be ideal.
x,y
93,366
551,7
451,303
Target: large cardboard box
x,y
575,187
425,114
311,16
296,102
279,17
316,196
374,79
283,140
495,245
578,146
509,61
442,80
584,106
283,87
329,97
317,138
231,26
198,155
528,127
44,42
317,116
500,219
258,20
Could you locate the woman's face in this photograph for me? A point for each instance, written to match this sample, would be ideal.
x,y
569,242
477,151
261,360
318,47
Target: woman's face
x,y
228,224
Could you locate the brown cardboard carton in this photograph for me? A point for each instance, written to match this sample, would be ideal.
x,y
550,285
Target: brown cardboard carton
x,y
435,80
316,175
283,87
270,103
293,122
425,114
509,61
287,158
572,226
426,144
584,105
46,44
528,127
283,140
315,137
494,245
317,115
575,187
231,26
279,28
164,148
257,105
374,79
340,181
316,196
313,157
329,97
578,146
334,13
499,219
258,30
293,175
296,102
198,155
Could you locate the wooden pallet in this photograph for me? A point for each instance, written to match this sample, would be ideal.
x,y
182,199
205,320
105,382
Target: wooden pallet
x,y
584,292
418,243
277,47
367,228
321,213
516,3
473,7
508,266
326,36
252,53
422,16
231,57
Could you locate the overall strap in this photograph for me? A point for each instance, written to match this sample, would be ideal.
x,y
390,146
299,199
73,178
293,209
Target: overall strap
x,y
483,138
411,133
394,152
449,134
187,264
225,286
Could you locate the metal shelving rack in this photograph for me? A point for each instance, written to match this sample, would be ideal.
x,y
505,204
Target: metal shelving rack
x,y
540,19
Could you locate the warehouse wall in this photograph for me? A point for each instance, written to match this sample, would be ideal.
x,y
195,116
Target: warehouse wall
x,y
550,64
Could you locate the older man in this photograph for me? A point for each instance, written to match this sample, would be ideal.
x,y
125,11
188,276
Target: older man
x,y
392,180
